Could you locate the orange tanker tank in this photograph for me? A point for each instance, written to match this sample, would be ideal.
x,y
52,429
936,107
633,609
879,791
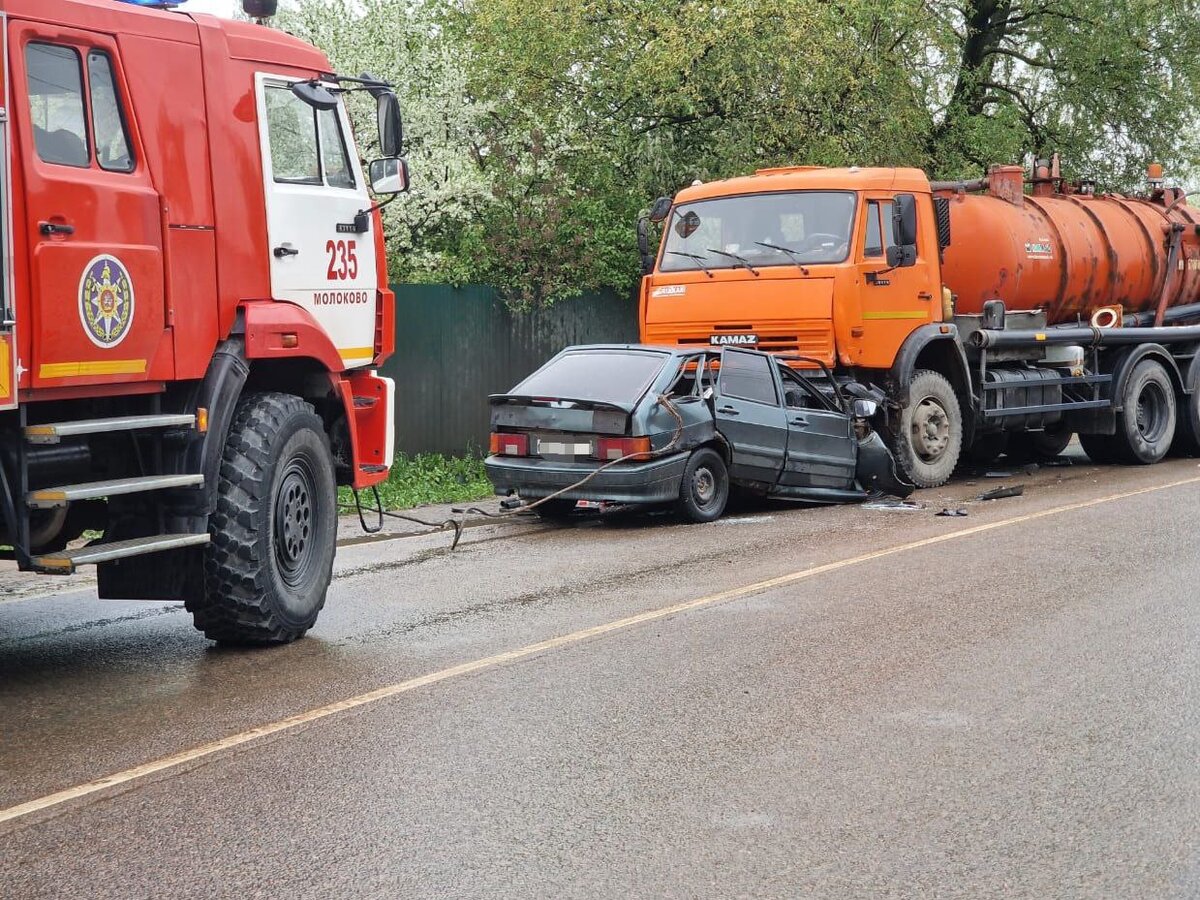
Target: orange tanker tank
x,y
1068,253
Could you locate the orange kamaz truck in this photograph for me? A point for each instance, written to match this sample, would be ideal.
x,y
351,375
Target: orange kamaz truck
x,y
1004,313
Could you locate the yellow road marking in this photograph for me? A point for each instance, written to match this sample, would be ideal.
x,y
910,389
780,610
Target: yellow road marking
x,y
100,367
490,662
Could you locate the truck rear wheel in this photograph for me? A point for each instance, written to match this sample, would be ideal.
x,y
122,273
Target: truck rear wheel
x,y
1146,423
274,529
930,437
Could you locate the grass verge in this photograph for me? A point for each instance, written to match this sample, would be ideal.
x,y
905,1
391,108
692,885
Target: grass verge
x,y
430,478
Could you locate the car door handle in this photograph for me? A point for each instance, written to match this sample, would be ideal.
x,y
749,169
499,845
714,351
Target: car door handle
x,y
799,420
728,410
285,250
52,228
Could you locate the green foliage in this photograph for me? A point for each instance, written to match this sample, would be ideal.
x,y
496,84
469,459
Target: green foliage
x,y
431,478
540,129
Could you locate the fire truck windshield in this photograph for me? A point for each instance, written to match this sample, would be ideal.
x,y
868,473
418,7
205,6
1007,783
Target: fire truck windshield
x,y
780,229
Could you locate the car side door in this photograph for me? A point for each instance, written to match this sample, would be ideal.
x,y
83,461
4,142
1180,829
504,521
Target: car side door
x,y
822,450
748,413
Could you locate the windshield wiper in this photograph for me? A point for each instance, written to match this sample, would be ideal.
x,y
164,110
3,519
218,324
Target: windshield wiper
x,y
792,255
696,256
740,260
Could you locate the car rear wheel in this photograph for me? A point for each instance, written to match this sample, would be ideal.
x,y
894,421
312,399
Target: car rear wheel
x,y
704,490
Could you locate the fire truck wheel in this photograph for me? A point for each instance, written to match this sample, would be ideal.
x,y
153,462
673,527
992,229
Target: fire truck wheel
x,y
930,437
275,526
704,490
1146,423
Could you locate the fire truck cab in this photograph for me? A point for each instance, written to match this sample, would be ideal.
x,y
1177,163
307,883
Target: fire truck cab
x,y
194,301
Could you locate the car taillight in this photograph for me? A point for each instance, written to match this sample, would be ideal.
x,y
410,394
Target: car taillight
x,y
509,444
609,449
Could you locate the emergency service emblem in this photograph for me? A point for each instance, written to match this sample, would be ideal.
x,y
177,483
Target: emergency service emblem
x,y
106,301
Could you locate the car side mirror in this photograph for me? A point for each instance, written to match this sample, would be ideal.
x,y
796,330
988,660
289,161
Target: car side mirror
x,y
391,126
389,176
864,409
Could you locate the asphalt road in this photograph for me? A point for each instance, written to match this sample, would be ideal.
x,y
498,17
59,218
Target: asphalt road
x,y
792,702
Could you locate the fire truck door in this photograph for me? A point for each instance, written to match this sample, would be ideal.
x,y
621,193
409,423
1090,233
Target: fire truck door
x,y
93,218
8,325
321,259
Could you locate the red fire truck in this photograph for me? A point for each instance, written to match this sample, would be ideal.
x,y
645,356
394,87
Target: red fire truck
x,y
194,298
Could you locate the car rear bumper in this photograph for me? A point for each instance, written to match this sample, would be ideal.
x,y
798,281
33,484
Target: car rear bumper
x,y
656,481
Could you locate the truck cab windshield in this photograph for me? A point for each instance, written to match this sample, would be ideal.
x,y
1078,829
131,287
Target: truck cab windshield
x,y
784,229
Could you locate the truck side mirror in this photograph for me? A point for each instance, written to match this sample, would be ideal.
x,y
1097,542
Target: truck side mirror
x,y
391,127
904,220
260,9
901,256
643,242
389,176
660,210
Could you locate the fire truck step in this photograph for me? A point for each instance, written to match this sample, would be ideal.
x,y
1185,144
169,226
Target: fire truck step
x,y
53,432
48,498
66,562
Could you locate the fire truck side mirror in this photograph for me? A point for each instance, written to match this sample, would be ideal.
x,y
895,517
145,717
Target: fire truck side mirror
x,y
389,176
391,127
260,9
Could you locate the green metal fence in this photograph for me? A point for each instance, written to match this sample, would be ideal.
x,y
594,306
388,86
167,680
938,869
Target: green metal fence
x,y
454,346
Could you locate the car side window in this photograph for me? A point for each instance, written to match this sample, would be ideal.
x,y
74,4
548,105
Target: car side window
x,y
56,107
108,116
747,376
798,393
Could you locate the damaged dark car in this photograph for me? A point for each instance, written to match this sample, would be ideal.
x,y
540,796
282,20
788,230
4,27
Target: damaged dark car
x,y
661,426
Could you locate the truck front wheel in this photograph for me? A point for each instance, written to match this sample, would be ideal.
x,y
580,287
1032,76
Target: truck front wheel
x,y
274,529
931,431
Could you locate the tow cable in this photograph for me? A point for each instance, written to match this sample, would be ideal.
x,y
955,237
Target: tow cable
x,y
663,400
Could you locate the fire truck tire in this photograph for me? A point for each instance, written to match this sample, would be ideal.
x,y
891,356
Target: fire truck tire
x,y
930,437
274,530
704,490
1146,423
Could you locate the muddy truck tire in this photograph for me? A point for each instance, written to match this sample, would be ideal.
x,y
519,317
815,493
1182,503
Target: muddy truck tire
x,y
274,530
929,439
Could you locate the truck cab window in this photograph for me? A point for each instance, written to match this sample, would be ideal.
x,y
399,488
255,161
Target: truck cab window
x,y
292,134
747,376
879,228
334,155
56,108
108,116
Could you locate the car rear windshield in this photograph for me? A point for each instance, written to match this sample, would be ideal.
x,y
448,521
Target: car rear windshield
x,y
604,376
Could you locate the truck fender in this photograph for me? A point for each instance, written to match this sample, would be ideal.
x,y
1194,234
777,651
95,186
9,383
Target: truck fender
x,y
943,339
275,330
218,393
1122,367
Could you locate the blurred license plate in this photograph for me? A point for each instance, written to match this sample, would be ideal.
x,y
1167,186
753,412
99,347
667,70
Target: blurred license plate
x,y
565,448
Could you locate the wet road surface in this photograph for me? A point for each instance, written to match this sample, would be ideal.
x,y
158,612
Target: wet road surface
x,y
791,702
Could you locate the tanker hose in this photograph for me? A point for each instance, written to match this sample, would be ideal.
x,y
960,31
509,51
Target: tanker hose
x,y
979,184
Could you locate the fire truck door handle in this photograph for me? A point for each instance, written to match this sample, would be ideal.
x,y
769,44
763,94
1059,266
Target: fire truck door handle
x,y
285,250
52,228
